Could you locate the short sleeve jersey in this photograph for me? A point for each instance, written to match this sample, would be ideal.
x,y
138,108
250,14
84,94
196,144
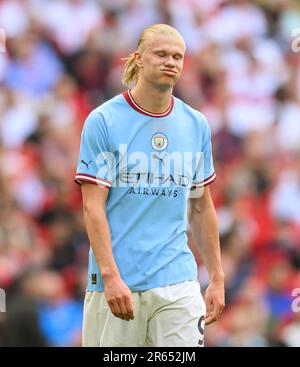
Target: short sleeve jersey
x,y
150,164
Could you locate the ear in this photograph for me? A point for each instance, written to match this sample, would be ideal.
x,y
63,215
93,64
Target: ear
x,y
138,58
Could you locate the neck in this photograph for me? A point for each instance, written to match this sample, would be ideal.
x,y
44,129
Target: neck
x,y
152,99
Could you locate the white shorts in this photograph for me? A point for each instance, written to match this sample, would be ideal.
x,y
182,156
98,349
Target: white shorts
x,y
171,316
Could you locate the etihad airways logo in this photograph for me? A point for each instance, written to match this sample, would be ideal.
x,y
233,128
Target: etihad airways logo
x,y
143,173
143,183
149,178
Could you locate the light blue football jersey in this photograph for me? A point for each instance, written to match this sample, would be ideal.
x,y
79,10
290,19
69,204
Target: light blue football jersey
x,y
149,162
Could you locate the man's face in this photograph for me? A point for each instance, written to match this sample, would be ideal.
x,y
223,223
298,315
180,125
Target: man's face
x,y
161,61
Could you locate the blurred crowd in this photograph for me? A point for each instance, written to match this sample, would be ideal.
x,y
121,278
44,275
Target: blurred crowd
x,y
242,70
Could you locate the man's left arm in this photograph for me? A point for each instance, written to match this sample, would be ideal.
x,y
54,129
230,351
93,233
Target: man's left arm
x,y
204,228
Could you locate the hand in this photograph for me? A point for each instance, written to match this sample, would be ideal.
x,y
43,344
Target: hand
x,y
119,298
215,301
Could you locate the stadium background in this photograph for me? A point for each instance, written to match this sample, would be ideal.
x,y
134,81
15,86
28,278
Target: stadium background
x,y
62,59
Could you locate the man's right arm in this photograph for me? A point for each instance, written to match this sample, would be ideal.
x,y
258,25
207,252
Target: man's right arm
x,y
118,295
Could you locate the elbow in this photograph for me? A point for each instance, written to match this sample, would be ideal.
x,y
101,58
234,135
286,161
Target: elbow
x,y
195,210
89,210
86,208
192,215
200,210
93,213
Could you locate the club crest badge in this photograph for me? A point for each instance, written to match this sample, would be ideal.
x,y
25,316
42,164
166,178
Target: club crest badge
x,y
159,141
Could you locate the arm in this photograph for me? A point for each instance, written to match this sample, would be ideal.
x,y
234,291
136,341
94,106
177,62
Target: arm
x,y
118,295
204,228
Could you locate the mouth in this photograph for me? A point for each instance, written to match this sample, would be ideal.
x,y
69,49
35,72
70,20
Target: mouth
x,y
169,72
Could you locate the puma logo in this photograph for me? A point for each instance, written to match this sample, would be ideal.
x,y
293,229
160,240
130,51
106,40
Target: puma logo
x,y
160,158
87,164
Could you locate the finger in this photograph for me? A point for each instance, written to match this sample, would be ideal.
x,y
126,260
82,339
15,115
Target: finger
x,y
111,307
130,308
214,315
123,308
215,312
210,319
219,311
209,305
115,308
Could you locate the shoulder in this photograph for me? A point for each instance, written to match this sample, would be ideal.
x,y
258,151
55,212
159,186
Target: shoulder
x,y
104,114
112,105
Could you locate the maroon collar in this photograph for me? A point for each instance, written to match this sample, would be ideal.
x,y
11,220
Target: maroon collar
x,y
127,95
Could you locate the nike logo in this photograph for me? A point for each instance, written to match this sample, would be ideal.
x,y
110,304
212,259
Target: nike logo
x,y
87,164
160,158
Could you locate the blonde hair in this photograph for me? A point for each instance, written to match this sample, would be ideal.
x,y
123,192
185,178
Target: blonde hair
x,y
131,71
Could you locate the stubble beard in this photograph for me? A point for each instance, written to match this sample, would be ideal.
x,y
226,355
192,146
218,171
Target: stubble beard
x,y
163,87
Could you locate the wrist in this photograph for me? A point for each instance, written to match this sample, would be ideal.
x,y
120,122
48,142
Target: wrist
x,y
217,278
110,275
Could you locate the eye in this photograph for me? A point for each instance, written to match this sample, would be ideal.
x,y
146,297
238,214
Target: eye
x,y
161,54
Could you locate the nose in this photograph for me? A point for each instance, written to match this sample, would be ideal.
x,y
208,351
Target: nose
x,y
169,62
